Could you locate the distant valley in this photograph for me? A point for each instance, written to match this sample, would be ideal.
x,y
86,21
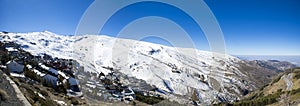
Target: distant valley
x,y
292,59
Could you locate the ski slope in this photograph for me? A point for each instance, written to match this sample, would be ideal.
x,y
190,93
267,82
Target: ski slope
x,y
178,71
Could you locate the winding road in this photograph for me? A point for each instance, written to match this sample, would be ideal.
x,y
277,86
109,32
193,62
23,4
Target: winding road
x,y
288,81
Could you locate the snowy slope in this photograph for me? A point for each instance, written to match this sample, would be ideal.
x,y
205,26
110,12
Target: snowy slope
x,y
216,77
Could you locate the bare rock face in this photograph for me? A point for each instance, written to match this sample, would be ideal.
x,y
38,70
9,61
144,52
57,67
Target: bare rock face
x,y
283,90
261,72
7,93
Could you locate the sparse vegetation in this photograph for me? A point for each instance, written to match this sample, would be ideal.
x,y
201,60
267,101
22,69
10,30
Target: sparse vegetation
x,y
47,102
148,99
255,100
265,100
31,75
74,101
45,93
259,99
276,79
297,72
168,103
3,95
294,91
31,96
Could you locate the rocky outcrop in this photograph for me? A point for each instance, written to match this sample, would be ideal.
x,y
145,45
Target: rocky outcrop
x,y
13,94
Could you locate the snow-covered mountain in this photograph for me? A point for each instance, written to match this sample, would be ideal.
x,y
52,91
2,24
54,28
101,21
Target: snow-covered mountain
x,y
177,71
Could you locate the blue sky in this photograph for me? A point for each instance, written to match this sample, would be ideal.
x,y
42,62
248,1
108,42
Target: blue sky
x,y
250,27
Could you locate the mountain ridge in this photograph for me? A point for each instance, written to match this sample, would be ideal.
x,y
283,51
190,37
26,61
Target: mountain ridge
x,y
283,90
176,71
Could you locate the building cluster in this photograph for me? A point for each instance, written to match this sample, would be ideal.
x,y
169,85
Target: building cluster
x,y
117,90
43,69
59,74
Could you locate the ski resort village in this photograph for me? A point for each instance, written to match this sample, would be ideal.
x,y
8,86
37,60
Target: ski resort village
x,y
45,80
45,68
